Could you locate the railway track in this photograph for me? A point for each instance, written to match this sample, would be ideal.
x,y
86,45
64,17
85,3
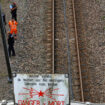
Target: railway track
x,y
60,45
57,49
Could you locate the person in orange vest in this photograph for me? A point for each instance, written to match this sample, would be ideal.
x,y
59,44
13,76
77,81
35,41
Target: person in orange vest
x,y
13,27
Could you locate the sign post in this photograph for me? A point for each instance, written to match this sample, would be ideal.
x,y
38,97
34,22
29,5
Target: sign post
x,y
3,34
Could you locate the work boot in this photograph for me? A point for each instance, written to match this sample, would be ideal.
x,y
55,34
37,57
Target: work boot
x,y
9,55
13,54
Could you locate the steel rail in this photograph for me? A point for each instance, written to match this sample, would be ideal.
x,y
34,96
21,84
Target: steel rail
x,y
78,53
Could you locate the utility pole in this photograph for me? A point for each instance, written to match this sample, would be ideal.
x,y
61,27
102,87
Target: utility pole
x,y
3,35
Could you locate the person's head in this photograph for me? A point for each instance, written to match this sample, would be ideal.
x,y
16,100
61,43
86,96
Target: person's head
x,y
9,35
13,19
14,3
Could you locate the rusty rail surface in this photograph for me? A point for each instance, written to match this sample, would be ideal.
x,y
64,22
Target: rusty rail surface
x,y
78,53
50,35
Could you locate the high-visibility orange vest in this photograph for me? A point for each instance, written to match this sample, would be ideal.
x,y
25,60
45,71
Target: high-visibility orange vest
x,y
13,25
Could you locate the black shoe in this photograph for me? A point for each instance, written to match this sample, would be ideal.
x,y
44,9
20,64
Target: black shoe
x,y
9,55
13,54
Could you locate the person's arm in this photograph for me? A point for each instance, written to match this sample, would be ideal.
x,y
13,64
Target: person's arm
x,y
14,8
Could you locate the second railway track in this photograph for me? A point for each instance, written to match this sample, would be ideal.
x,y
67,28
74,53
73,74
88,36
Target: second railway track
x,y
57,57
60,44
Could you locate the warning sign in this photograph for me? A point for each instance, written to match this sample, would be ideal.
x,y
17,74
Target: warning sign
x,y
45,89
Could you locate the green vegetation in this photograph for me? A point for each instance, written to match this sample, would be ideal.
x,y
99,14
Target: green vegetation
x,y
1,1
103,18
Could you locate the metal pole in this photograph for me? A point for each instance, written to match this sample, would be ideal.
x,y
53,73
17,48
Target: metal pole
x,y
3,35
71,97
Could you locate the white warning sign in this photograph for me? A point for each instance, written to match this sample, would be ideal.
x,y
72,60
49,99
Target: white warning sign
x,y
45,89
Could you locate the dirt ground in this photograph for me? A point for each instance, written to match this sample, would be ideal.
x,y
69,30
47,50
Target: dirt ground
x,y
30,46
90,16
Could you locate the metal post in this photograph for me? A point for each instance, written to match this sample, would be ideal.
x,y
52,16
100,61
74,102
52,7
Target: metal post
x,y
3,35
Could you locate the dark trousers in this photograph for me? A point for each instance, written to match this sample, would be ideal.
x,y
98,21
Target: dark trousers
x,y
14,16
11,49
